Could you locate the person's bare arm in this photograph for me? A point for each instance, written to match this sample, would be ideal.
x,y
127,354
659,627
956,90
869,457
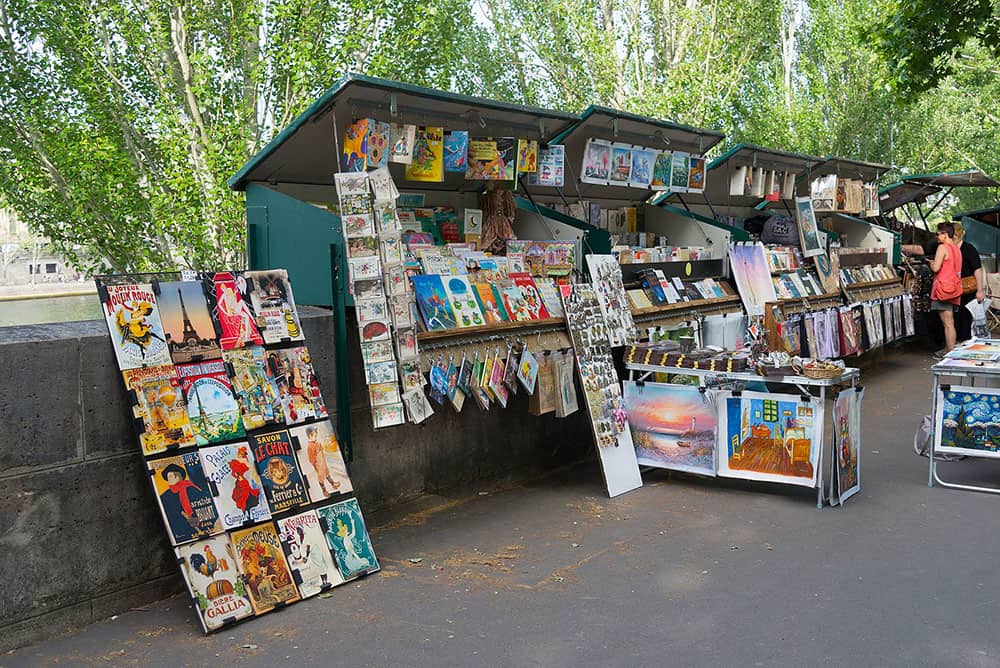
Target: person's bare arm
x,y
912,249
980,279
939,256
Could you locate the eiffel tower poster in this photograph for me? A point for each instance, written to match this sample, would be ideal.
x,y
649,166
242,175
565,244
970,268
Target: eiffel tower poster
x,y
190,333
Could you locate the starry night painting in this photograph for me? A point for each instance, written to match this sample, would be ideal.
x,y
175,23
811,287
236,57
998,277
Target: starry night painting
x,y
968,422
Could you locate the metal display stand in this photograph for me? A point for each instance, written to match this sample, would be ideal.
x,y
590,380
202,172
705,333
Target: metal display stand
x,y
804,385
969,373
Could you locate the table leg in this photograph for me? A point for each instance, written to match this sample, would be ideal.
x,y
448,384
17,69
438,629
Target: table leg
x,y
934,396
819,471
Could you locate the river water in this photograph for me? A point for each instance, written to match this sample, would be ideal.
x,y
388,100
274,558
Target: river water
x,y
49,309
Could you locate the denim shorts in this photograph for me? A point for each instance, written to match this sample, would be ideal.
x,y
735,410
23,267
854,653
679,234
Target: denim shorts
x,y
943,306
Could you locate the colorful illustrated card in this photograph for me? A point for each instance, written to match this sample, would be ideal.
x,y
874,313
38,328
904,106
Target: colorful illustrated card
x,y
378,144
527,156
185,497
527,371
279,471
240,497
272,301
255,386
187,323
401,141
551,167
433,302
237,323
356,146
262,563
347,536
218,591
320,460
456,151
213,411
297,384
309,556
134,323
428,156
463,301
160,407
596,162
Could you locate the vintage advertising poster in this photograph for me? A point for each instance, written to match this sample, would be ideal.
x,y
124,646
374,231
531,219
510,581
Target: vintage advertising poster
x,y
272,301
237,323
847,443
378,144
216,588
463,301
673,426
456,151
134,323
185,497
812,245
187,323
596,162
298,386
279,471
232,471
265,572
401,140
212,408
433,302
551,167
753,278
661,171
255,386
309,557
770,437
967,420
160,407
348,538
428,156
321,461
356,146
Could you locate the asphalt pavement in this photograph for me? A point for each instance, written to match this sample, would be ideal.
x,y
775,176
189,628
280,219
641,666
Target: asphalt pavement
x,y
683,572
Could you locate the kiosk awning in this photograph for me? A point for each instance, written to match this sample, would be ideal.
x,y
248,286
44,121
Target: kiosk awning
x,y
307,151
971,178
598,122
917,188
990,216
751,155
869,172
901,193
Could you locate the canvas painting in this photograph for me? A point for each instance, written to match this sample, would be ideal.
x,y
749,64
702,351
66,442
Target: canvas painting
x,y
770,437
967,421
643,160
809,237
753,278
847,442
673,426
596,162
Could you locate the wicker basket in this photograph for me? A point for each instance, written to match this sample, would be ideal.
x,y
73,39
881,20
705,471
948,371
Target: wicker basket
x,y
819,374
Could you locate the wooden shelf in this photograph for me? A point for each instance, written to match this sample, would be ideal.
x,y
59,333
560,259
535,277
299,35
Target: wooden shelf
x,y
681,306
874,284
486,330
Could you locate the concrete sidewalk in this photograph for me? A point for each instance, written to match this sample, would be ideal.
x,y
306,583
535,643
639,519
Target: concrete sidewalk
x,y
684,572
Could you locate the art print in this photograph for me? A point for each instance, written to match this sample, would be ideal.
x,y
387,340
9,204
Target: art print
x,y
388,416
255,388
371,288
381,394
308,555
213,411
297,384
265,571
770,437
527,156
596,162
279,471
808,231
660,179
356,146
753,279
966,421
428,156
375,330
643,161
185,497
401,141
696,174
350,184
371,309
679,171
160,406
347,537
187,324
387,219
237,323
847,443
406,342
828,269
271,297
396,281
240,498
377,351
358,225
321,460
362,268
417,406
378,144
402,311
380,372
383,187
413,379
551,167
456,151
362,247
392,250
621,165
134,323
673,426
216,588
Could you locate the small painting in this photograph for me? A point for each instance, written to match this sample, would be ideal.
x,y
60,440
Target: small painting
x,y
968,421
673,426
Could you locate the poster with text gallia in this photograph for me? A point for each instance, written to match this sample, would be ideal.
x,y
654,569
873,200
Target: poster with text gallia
x,y
262,563
217,590
185,497
134,323
347,536
308,554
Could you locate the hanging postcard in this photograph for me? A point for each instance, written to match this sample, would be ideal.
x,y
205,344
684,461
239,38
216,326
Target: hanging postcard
x,y
643,161
356,146
673,426
134,323
378,144
696,174
661,171
209,568
621,165
262,563
679,171
596,162
506,159
551,167
527,156
770,437
812,245
428,156
456,151
401,140
527,371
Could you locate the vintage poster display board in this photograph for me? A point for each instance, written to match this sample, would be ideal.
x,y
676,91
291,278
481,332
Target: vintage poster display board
x,y
244,463
601,389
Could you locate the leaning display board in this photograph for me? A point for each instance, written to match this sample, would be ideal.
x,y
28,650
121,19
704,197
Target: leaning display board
x,y
245,465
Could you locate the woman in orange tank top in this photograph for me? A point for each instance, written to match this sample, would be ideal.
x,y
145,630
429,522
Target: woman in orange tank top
x,y
946,293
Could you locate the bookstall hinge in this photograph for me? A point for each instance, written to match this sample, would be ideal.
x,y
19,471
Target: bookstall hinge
x,y
393,104
806,398
296,444
945,388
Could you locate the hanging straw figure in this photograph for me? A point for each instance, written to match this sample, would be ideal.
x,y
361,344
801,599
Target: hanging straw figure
x,y
498,213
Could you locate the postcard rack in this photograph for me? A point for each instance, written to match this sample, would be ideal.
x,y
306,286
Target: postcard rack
x,y
822,389
806,304
888,287
546,334
672,314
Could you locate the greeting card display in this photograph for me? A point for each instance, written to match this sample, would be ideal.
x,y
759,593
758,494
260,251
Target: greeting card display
x,y
265,571
217,589
185,497
212,408
309,557
232,471
134,322
347,536
159,408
